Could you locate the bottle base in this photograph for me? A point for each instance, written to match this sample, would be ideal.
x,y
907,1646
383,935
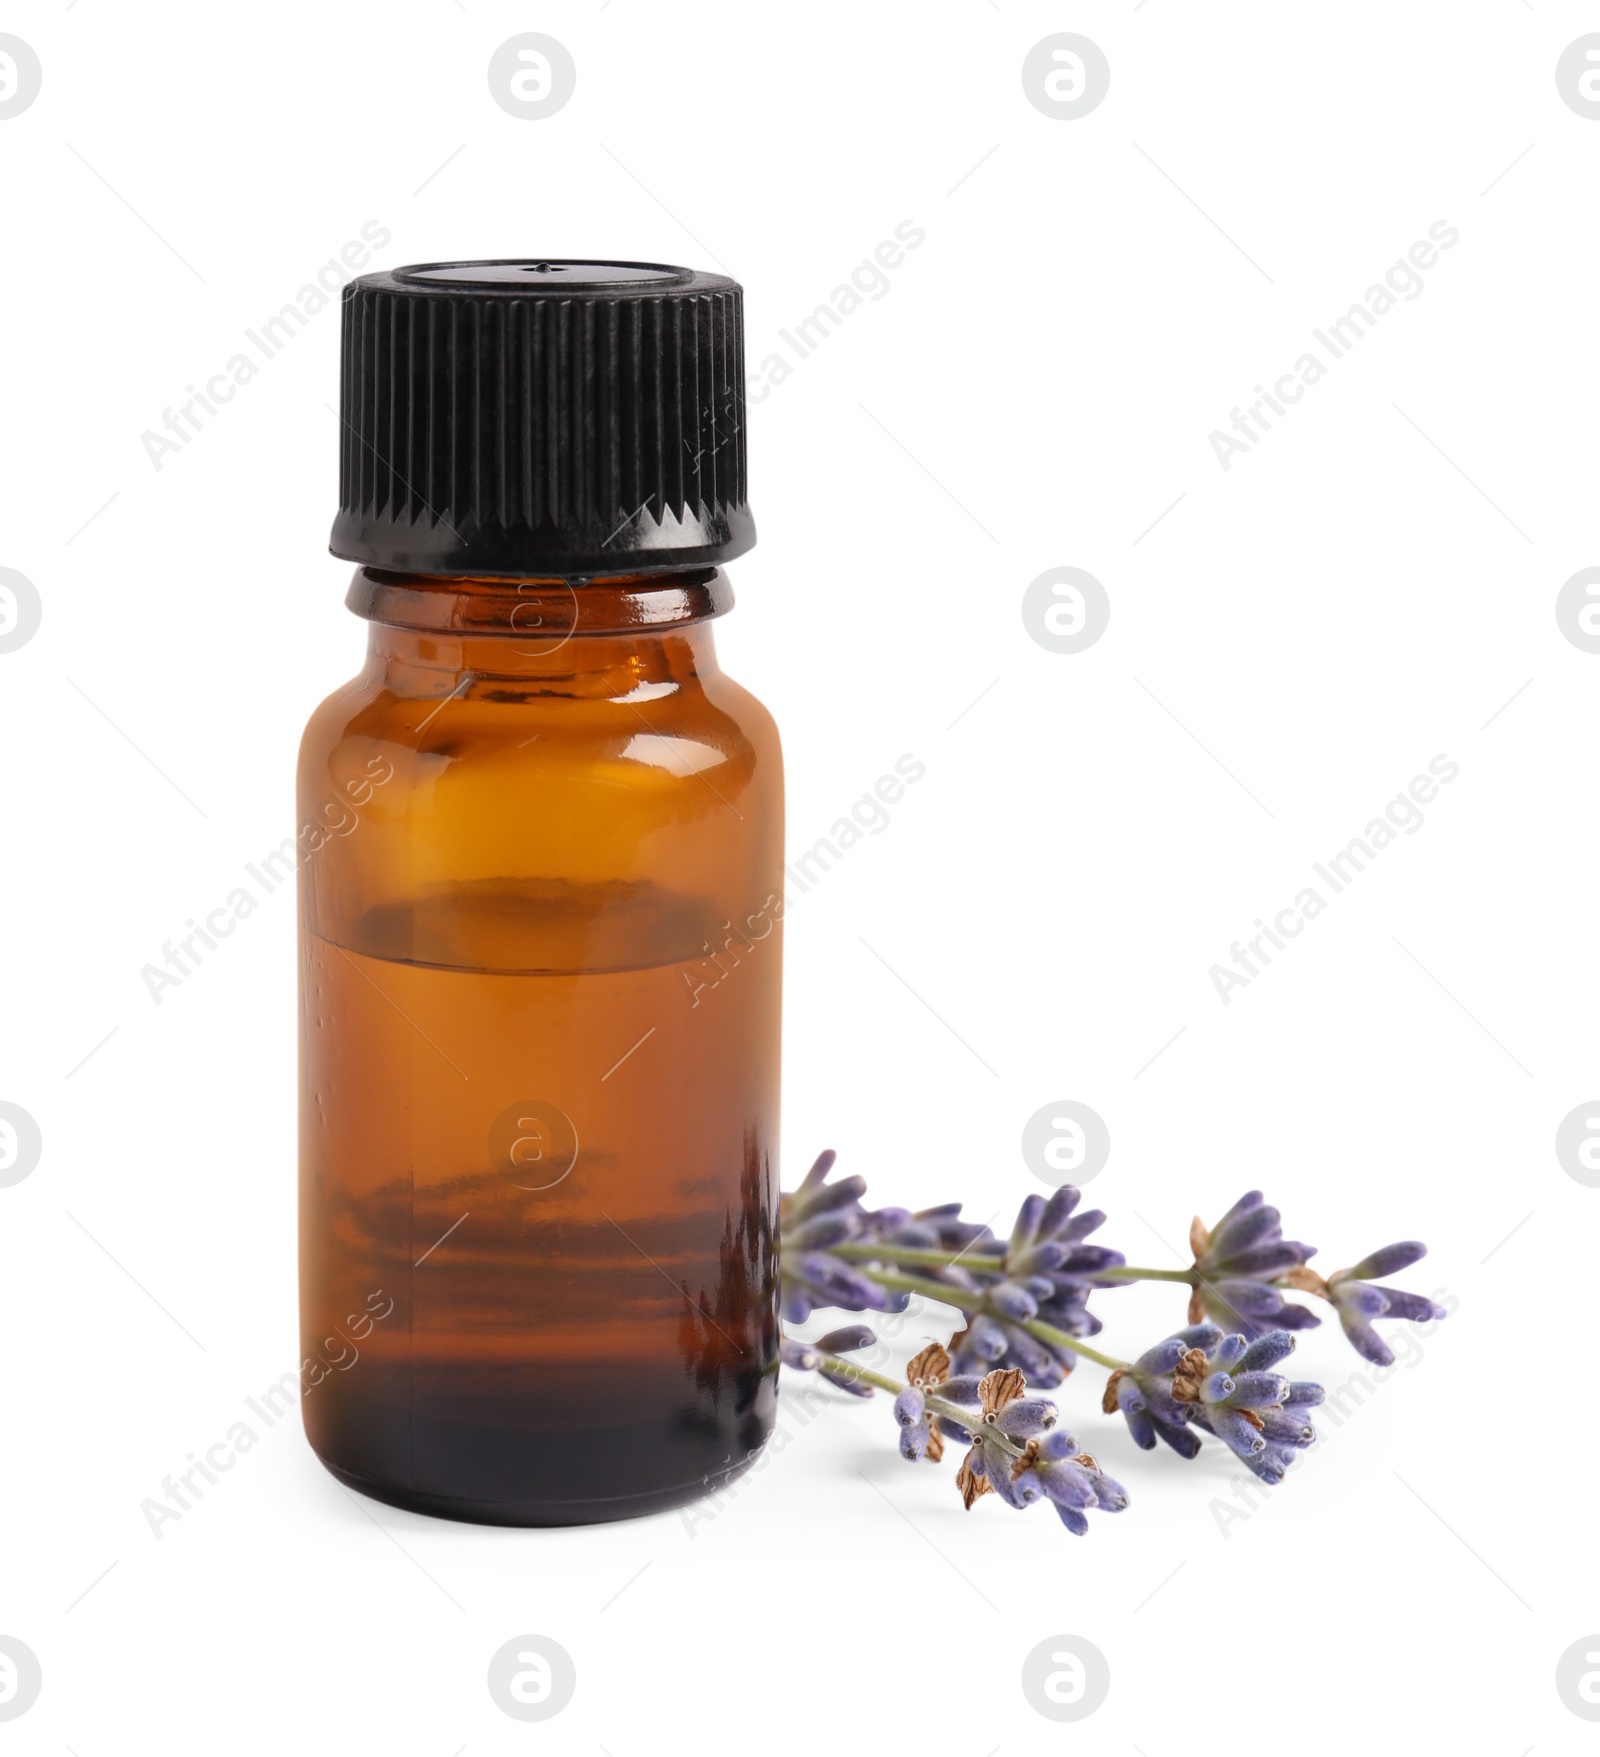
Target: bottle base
x,y
597,1511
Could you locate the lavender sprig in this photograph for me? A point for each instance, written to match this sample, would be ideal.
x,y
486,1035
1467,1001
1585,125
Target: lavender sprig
x,y
1019,1454
1025,1302
1015,1449
1237,1265
1223,1385
1233,1393
1144,1395
1358,1302
1243,1266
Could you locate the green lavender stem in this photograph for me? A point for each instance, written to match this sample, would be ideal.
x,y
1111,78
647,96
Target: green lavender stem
x,y
853,1370
968,1303
919,1259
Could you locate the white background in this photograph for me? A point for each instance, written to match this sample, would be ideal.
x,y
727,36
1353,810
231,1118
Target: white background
x,y
1297,636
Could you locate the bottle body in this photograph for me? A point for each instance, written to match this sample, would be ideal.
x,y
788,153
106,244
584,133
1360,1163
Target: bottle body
x,y
540,995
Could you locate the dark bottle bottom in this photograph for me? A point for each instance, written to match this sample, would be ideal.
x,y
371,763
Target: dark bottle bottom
x,y
483,1447
597,1511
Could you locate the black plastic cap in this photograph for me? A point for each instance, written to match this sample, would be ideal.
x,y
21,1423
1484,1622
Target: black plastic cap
x,y
542,418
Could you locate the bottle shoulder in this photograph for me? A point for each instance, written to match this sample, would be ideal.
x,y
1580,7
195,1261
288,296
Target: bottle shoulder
x,y
679,726
500,776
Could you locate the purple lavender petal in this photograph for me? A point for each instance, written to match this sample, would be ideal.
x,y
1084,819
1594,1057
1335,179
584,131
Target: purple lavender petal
x,y
820,1167
1163,1357
1027,1225
845,1339
1246,1221
1364,1339
1233,1430
825,1230
1242,1299
1359,1297
1203,1336
1263,1259
1257,1391
1012,1301
1085,1261
1269,1465
1389,1260
1110,1495
1037,1260
1024,1418
839,1195
914,1441
1081,1225
1057,1211
1068,1484
1411,1306
1266,1352
1287,1427
1185,1443
1217,1389
1141,1425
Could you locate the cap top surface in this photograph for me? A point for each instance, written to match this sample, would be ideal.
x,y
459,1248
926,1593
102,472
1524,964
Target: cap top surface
x,y
549,274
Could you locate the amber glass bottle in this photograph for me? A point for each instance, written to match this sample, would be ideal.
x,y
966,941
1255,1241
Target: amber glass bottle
x,y
541,894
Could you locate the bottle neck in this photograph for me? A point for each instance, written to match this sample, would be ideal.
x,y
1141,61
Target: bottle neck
x,y
591,637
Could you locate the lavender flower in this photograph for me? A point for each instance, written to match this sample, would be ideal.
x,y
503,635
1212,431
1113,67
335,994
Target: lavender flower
x,y
1231,1391
1358,1302
1072,1481
1048,1242
1044,1271
992,1340
1047,1238
811,1219
1236,1265
1145,1396
1046,1465
927,1229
